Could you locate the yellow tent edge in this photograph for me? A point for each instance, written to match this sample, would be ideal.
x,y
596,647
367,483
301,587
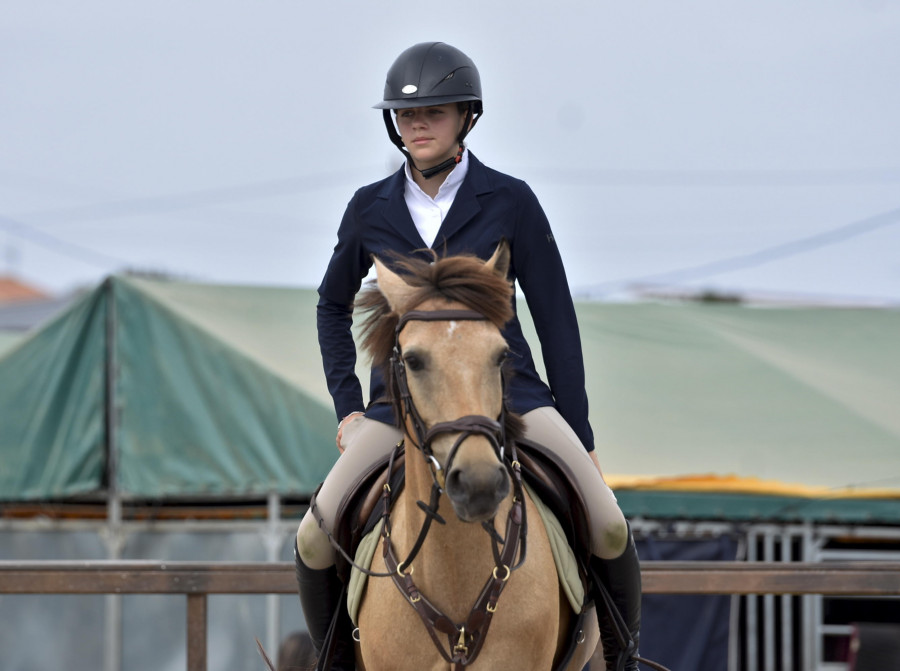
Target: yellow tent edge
x,y
734,484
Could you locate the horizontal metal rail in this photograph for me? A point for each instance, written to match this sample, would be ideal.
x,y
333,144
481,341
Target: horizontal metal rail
x,y
659,577
196,580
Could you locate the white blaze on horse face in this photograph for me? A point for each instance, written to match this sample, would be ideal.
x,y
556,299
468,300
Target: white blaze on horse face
x,y
453,370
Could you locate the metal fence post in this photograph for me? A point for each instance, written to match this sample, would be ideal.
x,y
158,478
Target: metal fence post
x,y
196,632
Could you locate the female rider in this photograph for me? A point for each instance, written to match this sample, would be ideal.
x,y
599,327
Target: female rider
x,y
446,199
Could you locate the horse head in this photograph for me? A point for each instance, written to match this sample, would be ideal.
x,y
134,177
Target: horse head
x,y
445,367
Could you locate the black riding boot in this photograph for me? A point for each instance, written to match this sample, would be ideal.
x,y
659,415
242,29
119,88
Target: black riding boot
x,y
620,578
321,593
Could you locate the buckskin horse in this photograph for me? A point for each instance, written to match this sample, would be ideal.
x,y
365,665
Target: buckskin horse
x,y
468,588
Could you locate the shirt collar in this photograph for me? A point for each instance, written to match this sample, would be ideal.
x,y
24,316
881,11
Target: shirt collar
x,y
451,183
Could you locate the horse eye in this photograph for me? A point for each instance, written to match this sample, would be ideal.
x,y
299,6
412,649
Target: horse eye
x,y
503,358
413,362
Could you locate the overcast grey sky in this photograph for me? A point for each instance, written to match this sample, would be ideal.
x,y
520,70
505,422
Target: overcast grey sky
x,y
748,145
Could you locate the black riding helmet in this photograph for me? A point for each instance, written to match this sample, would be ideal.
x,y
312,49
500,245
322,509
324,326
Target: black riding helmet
x,y
426,74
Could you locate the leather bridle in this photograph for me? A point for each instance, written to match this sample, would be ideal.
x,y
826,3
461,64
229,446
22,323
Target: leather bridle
x,y
491,429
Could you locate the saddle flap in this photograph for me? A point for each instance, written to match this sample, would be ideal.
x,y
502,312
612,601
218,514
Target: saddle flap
x,y
358,512
553,481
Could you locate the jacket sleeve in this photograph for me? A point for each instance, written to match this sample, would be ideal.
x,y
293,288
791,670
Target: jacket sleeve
x,y
542,278
348,266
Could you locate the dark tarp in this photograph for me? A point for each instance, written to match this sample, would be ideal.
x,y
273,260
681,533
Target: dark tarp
x,y
205,401
51,407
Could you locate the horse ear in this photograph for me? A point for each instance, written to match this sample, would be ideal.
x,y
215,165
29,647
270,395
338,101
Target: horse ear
x,y
499,261
392,286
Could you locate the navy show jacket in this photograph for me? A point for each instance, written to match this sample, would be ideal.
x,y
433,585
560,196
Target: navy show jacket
x,y
488,207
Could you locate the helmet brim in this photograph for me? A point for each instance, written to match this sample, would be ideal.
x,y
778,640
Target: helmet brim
x,y
429,101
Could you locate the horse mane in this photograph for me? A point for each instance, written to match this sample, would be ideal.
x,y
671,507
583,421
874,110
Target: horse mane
x,y
460,279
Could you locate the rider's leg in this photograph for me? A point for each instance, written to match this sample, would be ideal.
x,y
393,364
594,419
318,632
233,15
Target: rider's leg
x,y
622,579
320,599
615,562
365,441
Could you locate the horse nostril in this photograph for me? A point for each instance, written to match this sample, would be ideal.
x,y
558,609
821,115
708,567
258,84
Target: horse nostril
x,y
456,483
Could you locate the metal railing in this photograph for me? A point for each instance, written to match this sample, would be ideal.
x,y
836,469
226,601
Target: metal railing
x,y
197,580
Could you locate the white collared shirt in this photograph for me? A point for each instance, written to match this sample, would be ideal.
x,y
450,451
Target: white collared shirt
x,y
428,213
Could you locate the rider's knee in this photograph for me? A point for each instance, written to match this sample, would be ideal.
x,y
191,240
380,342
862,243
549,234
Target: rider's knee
x,y
614,538
313,547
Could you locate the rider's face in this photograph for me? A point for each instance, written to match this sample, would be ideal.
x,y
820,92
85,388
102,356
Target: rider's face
x,y
430,133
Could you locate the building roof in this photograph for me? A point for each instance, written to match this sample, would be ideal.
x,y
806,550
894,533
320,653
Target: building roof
x,y
13,290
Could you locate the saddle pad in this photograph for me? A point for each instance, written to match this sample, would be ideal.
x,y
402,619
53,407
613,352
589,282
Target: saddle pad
x,y
566,566
364,554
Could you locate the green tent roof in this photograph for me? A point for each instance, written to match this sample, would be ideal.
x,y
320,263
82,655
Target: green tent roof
x,y
698,410
793,411
209,398
805,395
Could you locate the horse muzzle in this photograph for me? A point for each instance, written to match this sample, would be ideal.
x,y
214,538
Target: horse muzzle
x,y
476,491
476,480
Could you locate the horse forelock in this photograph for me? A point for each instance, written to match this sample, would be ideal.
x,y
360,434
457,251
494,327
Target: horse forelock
x,y
458,279
454,279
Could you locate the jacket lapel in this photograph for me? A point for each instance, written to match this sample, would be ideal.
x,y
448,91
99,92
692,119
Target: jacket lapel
x,y
465,206
395,211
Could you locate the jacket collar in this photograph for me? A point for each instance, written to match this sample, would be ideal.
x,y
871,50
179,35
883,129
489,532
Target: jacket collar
x,y
465,206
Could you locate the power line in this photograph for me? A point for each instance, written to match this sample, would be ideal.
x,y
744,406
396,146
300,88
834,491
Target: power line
x,y
767,255
200,198
63,247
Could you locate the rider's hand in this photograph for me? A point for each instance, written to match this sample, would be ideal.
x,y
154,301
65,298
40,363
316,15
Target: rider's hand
x,y
349,418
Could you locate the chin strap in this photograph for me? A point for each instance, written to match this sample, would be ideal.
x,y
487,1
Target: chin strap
x,y
450,163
